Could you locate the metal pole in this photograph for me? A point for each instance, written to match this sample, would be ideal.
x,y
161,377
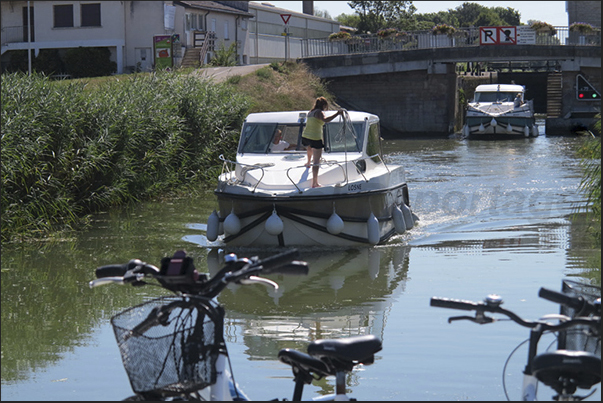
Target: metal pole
x,y
28,38
286,42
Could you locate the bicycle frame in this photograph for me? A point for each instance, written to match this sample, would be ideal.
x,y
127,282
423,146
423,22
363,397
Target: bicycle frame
x,y
562,370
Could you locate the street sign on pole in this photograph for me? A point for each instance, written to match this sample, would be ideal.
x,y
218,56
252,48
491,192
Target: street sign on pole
x,y
285,18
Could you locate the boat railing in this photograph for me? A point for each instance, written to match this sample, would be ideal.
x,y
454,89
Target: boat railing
x,y
229,170
326,163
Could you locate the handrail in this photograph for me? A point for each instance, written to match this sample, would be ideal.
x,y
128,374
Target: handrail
x,y
345,177
229,171
412,40
226,169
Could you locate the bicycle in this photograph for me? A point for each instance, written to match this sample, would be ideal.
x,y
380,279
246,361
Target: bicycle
x,y
563,370
173,347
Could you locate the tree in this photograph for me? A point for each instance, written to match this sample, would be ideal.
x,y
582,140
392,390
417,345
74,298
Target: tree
x,y
488,18
322,14
375,15
510,16
475,15
348,20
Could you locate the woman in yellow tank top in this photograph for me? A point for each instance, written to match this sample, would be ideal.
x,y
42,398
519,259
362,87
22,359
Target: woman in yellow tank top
x,y
312,135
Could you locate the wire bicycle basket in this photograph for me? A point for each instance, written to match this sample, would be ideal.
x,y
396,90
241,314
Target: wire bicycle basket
x,y
577,338
169,345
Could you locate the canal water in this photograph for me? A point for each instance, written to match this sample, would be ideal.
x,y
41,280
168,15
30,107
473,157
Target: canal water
x,y
495,217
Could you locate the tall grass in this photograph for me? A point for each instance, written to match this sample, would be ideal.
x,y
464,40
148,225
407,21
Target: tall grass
x,y
590,185
68,151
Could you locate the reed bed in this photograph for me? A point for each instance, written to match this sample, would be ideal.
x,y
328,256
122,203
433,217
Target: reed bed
x,y
69,150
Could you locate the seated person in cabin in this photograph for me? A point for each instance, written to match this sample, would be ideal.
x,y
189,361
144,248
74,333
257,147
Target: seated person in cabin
x,y
517,103
278,144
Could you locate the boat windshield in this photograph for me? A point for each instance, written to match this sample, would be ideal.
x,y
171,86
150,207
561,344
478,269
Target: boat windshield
x,y
260,138
341,137
495,96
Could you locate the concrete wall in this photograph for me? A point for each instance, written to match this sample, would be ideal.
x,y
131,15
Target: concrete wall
x,y
576,115
408,103
584,11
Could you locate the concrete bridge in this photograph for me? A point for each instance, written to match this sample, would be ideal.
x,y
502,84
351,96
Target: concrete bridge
x,y
416,91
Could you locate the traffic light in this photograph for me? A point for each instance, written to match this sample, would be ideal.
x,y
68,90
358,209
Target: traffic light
x,y
585,91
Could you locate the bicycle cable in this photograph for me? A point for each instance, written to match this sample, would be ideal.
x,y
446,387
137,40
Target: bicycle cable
x,y
504,371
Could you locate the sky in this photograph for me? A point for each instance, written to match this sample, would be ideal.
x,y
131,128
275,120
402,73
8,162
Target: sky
x,y
552,12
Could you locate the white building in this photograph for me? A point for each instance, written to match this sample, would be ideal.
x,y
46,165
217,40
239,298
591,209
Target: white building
x,y
267,42
129,29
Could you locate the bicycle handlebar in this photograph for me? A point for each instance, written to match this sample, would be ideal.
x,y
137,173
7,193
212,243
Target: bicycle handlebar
x,y
492,305
184,278
582,306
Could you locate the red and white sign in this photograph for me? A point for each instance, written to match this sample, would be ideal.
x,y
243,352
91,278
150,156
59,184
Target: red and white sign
x,y
497,35
285,18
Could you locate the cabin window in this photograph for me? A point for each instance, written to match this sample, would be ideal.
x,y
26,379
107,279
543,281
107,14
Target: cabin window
x,y
91,15
256,138
63,16
495,96
373,146
341,138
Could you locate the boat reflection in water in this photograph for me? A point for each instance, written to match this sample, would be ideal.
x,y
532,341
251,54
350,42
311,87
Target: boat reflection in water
x,y
347,292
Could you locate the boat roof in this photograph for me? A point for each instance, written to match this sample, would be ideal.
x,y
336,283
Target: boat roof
x,y
294,116
500,87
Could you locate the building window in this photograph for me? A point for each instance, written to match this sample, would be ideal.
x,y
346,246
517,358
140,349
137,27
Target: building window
x,y
91,15
226,33
63,16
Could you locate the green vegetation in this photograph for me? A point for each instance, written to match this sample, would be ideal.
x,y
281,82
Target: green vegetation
x,y
74,147
372,16
225,57
590,153
68,151
74,62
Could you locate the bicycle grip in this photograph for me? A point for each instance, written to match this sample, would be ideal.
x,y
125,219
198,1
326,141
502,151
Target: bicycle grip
x,y
294,268
453,304
577,303
111,270
271,263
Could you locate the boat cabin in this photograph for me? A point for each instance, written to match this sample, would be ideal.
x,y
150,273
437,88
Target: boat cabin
x,y
488,93
262,131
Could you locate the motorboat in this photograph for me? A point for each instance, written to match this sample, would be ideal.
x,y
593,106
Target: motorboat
x,y
265,197
500,109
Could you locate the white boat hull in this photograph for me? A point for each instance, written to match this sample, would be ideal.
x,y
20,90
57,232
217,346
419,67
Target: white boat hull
x,y
305,220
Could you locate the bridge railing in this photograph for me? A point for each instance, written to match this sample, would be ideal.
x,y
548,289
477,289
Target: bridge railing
x,y
463,37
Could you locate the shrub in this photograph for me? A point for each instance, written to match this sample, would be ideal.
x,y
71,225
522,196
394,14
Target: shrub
x,y
582,27
89,62
225,57
543,27
339,36
443,29
387,32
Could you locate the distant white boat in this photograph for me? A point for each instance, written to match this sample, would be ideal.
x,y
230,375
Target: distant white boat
x,y
500,109
265,198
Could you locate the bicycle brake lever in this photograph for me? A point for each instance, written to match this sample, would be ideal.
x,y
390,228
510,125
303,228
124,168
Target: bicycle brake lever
x,y
256,279
480,319
453,318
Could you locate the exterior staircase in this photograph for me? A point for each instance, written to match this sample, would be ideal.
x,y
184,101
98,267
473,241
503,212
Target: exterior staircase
x,y
192,58
554,95
204,41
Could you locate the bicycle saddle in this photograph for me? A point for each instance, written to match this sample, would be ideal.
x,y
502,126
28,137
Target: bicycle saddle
x,y
301,362
584,369
343,354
